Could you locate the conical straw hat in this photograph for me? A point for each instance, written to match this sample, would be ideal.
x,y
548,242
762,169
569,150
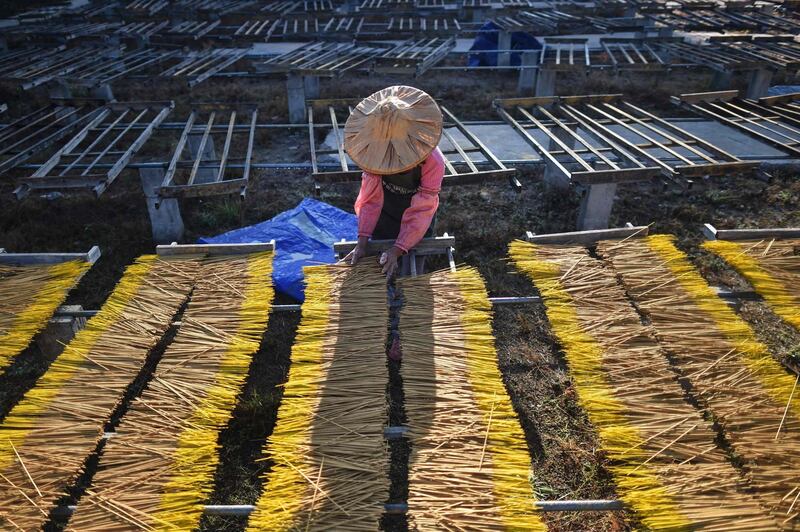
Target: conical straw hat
x,y
393,130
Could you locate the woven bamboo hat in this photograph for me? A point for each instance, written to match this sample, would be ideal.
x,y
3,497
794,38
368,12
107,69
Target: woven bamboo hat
x,y
393,130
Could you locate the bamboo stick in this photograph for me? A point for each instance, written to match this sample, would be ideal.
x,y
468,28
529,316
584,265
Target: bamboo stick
x,y
661,451
330,460
162,461
470,466
60,421
731,373
28,297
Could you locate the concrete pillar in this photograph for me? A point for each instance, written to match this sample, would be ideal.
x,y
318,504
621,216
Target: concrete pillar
x,y
59,89
721,80
553,177
759,83
208,174
165,215
103,92
478,15
59,332
546,82
527,76
296,98
596,205
311,87
503,43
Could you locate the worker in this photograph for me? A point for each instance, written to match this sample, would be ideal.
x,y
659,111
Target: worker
x,y
393,136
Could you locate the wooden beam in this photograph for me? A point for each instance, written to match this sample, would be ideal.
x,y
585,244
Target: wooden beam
x,y
712,233
697,97
427,246
587,238
90,256
214,249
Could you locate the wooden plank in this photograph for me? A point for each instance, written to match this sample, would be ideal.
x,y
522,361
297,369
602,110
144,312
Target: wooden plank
x,y
90,256
781,98
214,249
711,233
427,246
697,97
587,238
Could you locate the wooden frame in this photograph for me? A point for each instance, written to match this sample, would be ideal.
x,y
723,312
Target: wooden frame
x,y
196,67
169,250
19,259
772,120
588,238
712,233
414,56
643,150
30,134
209,121
104,139
336,112
331,59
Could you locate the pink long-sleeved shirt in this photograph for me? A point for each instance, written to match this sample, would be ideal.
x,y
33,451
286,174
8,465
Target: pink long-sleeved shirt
x,y
417,217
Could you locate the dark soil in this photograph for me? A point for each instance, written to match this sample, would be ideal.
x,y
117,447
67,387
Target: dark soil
x,y
484,218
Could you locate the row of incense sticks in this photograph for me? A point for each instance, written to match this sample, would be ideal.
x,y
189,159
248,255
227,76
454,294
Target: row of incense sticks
x,y
731,373
329,460
661,451
772,267
48,436
470,467
158,469
28,297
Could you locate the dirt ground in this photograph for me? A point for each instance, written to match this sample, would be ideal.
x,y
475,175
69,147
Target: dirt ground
x,y
484,218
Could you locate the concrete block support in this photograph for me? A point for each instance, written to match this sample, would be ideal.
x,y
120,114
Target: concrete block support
x,y
504,43
59,332
759,83
59,89
527,76
478,15
103,92
721,80
546,82
296,98
165,216
311,86
595,209
208,174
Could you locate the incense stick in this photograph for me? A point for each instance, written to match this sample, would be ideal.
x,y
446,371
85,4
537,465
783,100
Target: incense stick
x,y
162,460
661,451
59,422
772,268
470,465
329,458
28,297
730,371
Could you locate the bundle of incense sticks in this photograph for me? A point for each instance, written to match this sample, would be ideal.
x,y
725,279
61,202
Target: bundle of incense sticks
x,y
470,466
662,452
158,469
772,267
48,435
328,454
28,297
747,391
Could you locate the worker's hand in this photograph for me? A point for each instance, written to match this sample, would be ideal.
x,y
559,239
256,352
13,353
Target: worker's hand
x,y
358,252
389,260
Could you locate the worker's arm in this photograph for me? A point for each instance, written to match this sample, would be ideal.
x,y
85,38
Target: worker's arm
x,y
418,216
368,209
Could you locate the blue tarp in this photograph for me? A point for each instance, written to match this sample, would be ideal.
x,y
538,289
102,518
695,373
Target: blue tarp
x,y
780,90
303,235
487,39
